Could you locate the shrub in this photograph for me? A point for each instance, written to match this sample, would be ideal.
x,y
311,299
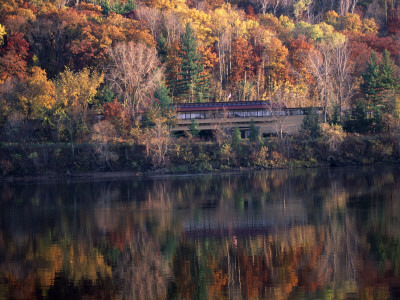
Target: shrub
x,y
333,136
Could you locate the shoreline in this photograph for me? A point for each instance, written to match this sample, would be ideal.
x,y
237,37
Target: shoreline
x,y
56,162
109,175
157,174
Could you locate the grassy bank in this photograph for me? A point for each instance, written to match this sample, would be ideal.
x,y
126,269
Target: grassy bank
x,y
191,155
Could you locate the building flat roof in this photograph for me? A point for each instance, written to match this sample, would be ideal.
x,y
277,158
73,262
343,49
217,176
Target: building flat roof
x,y
237,105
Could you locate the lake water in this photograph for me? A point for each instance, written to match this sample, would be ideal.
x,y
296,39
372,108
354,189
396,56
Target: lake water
x,y
297,234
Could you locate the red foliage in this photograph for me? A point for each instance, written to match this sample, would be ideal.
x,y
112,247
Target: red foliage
x,y
250,12
13,57
393,22
359,55
379,44
116,113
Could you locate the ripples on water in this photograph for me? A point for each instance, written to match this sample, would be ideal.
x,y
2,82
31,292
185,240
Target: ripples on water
x,y
303,234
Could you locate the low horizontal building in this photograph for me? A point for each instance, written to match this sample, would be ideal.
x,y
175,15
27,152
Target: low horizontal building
x,y
269,118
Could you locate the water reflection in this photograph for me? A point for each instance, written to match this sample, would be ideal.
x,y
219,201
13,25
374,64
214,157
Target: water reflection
x,y
300,234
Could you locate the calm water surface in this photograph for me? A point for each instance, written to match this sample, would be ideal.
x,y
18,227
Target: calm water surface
x,y
302,234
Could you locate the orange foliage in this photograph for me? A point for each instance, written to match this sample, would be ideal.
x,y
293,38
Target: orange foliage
x,y
209,58
244,60
254,275
300,50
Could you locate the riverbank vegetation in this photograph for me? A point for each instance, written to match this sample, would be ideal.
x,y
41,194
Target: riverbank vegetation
x,y
88,85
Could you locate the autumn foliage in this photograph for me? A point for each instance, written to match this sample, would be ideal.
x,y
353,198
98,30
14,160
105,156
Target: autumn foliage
x,y
202,50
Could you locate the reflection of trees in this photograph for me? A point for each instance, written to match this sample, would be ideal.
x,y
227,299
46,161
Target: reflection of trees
x,y
271,235
41,260
142,273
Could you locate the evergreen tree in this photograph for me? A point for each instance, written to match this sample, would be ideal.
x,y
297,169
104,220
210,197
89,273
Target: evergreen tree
x,y
371,85
236,138
387,73
193,128
193,84
381,84
359,121
162,47
311,123
162,96
380,78
118,7
254,132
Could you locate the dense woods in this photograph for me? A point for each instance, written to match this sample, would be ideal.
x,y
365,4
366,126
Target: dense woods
x,y
62,63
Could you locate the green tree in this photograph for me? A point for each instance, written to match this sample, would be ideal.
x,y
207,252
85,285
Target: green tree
x,y
254,132
193,84
193,128
370,86
311,123
380,78
359,121
388,79
117,7
162,96
380,87
164,101
236,138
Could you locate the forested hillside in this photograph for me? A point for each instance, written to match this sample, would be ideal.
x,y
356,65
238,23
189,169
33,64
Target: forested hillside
x,y
64,62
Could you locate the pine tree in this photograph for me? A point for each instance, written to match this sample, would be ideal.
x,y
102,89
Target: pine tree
x,y
254,132
162,95
387,73
162,47
193,128
380,78
236,138
371,86
311,123
193,84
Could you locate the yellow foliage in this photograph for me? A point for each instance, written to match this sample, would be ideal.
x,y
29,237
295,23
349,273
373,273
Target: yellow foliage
x,y
27,14
225,20
271,22
333,136
369,26
167,4
244,27
331,18
276,51
286,22
2,34
40,95
81,263
352,23
52,255
76,90
201,24
326,28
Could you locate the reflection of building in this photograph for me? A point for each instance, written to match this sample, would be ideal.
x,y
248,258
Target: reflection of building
x,y
227,220
266,116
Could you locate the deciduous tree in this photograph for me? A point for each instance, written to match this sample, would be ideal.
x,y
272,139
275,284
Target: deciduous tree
x,y
134,72
74,92
14,55
40,97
